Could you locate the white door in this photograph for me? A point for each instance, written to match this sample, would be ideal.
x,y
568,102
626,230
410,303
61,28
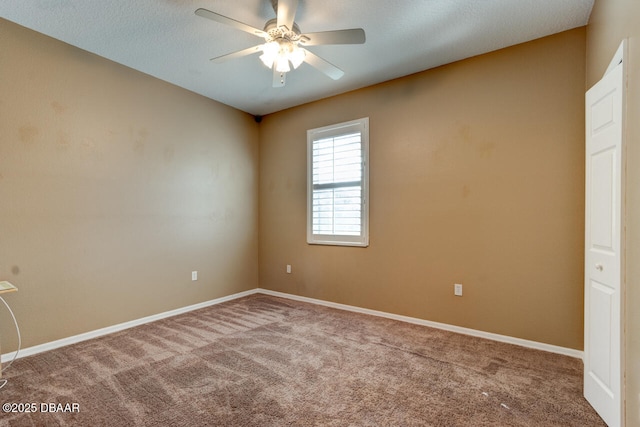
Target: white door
x,y
603,385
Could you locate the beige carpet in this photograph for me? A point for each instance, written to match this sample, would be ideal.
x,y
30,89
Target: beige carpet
x,y
265,361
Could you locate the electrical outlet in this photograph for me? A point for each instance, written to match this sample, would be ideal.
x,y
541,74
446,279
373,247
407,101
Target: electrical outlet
x,y
194,275
457,290
288,268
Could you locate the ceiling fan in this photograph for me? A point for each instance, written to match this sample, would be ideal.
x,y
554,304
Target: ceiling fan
x,y
284,41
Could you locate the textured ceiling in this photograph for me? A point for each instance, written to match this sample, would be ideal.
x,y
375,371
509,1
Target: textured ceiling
x,y
165,39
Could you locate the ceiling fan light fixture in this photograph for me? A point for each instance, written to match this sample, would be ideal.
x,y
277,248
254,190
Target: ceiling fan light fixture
x,y
296,56
282,64
279,53
270,52
284,43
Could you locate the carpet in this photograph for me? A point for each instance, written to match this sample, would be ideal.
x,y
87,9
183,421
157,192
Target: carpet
x,y
267,361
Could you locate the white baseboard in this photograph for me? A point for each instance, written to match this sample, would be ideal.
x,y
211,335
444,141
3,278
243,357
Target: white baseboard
x,y
29,351
466,331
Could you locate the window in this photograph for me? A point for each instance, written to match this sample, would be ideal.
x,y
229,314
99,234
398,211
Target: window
x,y
338,188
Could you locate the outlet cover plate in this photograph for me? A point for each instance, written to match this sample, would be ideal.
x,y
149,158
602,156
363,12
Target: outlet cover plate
x,y
457,290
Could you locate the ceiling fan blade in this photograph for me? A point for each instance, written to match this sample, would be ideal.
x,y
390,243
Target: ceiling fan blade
x,y
287,13
231,22
278,78
238,54
326,67
352,36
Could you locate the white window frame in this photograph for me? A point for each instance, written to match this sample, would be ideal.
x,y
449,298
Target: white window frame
x,y
359,125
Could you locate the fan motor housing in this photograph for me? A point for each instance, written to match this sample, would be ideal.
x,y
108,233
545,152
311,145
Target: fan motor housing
x,y
275,32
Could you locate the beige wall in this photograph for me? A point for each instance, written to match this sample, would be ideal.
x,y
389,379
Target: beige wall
x,y
610,22
476,178
114,186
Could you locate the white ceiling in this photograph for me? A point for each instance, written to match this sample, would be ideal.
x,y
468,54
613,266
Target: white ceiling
x,y
165,39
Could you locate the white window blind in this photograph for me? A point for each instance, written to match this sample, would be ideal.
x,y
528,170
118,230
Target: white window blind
x,y
337,205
